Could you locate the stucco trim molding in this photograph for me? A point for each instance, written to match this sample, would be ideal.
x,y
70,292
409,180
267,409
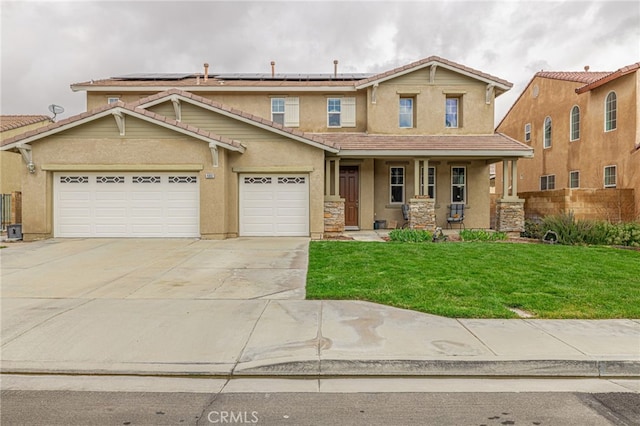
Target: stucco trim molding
x,y
122,167
274,169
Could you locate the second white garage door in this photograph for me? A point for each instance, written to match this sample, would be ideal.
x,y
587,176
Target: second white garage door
x,y
274,205
115,204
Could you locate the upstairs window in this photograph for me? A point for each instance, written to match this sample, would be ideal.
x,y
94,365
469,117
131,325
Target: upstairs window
x,y
341,112
610,177
575,124
610,112
547,182
406,113
451,119
527,133
547,132
286,111
112,99
458,184
574,179
397,185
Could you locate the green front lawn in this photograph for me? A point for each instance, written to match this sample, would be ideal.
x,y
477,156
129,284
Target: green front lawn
x,y
480,280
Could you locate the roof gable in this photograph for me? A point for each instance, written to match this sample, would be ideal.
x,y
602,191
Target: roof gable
x,y
119,109
9,122
176,94
609,77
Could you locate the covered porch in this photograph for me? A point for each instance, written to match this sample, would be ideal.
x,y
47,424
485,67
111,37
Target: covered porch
x,y
366,189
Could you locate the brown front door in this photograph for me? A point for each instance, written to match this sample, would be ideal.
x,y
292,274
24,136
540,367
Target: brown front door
x,y
349,191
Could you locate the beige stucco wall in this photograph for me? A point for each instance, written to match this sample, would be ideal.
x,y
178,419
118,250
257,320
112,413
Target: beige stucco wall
x,y
477,205
99,143
429,103
11,162
593,151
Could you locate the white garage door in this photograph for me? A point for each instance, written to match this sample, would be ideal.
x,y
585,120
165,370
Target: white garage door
x,y
145,204
274,205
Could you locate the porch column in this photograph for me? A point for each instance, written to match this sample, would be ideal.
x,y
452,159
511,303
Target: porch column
x,y
416,177
336,177
425,177
514,178
505,178
327,177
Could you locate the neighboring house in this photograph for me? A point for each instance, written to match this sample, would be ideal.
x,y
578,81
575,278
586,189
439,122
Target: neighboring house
x,y
226,155
585,131
12,125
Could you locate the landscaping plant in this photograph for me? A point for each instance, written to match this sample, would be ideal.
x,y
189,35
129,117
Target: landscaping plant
x,y
482,235
410,235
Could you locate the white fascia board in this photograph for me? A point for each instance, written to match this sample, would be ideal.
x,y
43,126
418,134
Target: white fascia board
x,y
439,64
257,124
432,153
219,88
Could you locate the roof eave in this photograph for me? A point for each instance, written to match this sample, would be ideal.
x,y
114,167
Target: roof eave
x,y
434,153
220,88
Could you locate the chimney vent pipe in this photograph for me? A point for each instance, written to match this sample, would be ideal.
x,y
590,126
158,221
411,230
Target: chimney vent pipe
x,y
586,68
273,69
335,68
206,71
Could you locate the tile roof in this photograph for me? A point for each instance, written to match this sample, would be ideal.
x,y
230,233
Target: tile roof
x,y
609,77
368,142
8,122
251,117
578,76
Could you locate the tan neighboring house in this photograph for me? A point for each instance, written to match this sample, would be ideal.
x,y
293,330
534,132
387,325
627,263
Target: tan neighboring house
x,y
12,125
217,155
585,130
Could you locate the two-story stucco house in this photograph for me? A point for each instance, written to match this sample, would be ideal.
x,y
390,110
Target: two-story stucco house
x,y
585,131
216,155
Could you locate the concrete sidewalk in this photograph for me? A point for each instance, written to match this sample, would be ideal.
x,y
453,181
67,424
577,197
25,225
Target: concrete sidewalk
x,y
236,308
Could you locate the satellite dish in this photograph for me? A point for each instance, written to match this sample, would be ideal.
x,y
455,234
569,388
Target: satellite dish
x,y
55,109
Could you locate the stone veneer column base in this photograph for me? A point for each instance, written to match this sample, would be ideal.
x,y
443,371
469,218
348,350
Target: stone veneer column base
x,y
422,213
510,215
334,215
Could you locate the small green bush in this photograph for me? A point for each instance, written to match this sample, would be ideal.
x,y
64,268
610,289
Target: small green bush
x,y
482,235
532,229
572,231
410,235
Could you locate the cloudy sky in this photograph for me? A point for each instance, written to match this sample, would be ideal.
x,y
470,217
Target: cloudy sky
x,y
48,45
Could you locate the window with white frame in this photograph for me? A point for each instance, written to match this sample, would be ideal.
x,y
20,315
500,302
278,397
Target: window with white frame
x,y
458,184
547,182
610,112
396,175
286,111
112,99
452,105
431,182
575,124
341,112
406,113
574,179
547,132
610,177
527,132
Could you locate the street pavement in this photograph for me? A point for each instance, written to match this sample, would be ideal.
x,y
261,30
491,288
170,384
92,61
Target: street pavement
x,y
236,308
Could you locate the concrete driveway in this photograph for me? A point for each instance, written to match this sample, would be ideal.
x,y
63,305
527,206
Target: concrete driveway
x,y
243,268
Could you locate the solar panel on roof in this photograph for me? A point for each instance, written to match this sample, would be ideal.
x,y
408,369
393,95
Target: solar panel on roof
x,y
154,76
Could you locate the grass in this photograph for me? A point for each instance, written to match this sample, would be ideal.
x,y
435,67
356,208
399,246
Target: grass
x,y
480,280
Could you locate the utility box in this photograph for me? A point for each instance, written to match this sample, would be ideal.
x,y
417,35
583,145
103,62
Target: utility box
x,y
379,224
14,232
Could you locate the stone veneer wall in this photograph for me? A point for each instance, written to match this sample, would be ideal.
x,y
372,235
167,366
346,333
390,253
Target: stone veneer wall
x,y
334,216
510,216
422,213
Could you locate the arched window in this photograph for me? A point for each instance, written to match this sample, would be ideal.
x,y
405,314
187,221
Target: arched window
x,y
610,112
547,132
575,124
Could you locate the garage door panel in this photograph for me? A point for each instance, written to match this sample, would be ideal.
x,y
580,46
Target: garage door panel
x,y
125,205
274,205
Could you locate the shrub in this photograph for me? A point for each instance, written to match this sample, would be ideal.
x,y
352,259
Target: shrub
x,y
532,229
572,231
410,235
482,235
